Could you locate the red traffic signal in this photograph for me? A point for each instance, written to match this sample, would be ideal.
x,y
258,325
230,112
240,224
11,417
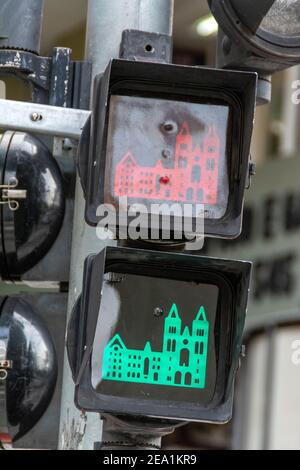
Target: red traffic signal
x,y
168,134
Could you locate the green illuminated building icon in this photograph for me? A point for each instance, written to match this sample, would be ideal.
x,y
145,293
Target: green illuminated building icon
x,y
182,362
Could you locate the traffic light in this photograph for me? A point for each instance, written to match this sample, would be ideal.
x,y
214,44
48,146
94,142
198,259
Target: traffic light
x,y
258,35
28,368
169,135
158,134
35,208
158,334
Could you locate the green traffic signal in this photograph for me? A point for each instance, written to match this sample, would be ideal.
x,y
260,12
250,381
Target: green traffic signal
x,y
151,330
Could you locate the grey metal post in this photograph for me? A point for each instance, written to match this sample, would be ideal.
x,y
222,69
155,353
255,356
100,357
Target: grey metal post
x,y
120,434
21,24
106,21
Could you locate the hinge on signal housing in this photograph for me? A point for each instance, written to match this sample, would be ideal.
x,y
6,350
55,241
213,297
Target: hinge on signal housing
x,y
9,194
6,364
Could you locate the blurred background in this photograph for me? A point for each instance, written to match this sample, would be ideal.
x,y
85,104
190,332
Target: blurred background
x,y
267,404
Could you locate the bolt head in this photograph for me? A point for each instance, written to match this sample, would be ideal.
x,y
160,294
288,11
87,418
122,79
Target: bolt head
x,y
166,153
169,127
35,117
158,312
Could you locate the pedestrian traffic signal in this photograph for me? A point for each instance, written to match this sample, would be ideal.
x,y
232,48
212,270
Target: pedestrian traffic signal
x,y
163,134
158,334
28,368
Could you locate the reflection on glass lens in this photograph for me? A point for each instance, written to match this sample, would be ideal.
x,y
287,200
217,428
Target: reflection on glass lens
x,y
283,19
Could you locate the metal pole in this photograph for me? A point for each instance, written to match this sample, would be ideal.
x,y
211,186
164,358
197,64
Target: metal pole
x,y
119,434
21,24
106,21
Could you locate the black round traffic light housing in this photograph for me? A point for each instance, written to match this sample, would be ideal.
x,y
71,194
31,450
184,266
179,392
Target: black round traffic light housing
x,y
28,368
30,222
261,35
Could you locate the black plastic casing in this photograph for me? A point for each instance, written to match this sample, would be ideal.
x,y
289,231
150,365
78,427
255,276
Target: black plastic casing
x,y
232,278
28,389
182,83
35,239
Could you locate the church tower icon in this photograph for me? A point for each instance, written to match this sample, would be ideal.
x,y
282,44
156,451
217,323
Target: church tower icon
x,y
192,178
182,361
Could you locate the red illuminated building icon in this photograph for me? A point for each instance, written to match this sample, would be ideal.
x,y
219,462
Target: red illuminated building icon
x,y
193,178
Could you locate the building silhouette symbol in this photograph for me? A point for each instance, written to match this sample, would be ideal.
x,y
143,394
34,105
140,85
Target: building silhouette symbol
x,y
182,361
193,177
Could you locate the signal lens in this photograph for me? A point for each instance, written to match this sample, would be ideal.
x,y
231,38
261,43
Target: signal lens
x,y
164,151
174,348
283,19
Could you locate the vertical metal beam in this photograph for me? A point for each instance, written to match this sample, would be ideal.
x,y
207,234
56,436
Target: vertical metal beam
x,y
108,18
106,21
21,24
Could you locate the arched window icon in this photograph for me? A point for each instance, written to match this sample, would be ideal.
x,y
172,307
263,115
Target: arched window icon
x,y
178,378
146,367
184,357
188,378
